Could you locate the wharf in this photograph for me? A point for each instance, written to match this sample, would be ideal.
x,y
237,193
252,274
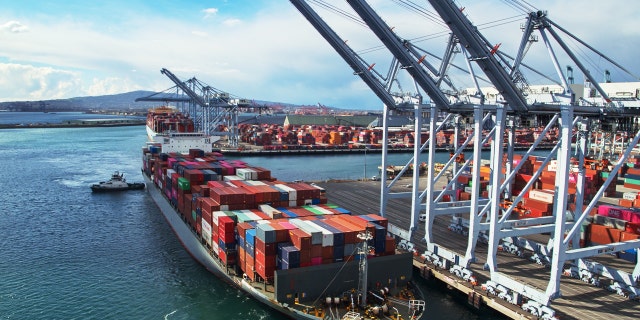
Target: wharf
x,y
579,300
250,150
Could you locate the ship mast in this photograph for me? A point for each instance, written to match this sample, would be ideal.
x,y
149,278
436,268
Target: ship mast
x,y
363,267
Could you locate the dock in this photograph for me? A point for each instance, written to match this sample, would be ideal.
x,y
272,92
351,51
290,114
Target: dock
x,y
579,300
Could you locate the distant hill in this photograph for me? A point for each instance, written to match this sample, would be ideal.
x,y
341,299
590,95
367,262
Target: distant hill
x,y
127,102
122,101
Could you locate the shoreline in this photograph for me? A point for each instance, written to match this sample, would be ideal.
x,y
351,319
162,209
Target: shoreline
x,y
72,125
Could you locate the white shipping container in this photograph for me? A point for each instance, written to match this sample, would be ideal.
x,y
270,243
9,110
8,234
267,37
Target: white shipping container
x,y
316,234
215,215
630,195
251,215
206,227
542,195
207,236
214,246
293,194
231,178
247,173
272,212
327,236
323,210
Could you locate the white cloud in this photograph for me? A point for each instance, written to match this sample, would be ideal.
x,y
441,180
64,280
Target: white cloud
x,y
14,27
27,82
210,12
199,33
111,85
232,22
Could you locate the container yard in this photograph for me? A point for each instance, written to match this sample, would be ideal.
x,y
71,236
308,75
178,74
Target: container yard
x,y
580,300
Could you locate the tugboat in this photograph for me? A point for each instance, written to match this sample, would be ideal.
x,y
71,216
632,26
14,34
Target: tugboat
x,y
117,183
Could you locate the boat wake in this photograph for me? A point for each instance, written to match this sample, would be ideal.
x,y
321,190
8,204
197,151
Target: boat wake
x,y
166,316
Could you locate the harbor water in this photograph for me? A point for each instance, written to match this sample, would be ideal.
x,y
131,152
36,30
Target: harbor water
x,y
71,254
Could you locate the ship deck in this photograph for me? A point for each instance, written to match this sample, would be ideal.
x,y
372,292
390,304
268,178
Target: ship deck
x,y
579,300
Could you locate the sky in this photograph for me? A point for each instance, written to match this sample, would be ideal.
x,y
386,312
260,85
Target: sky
x,y
264,49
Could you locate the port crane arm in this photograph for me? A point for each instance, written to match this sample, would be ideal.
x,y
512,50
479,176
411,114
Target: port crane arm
x,y
398,48
197,98
470,38
345,52
592,48
573,57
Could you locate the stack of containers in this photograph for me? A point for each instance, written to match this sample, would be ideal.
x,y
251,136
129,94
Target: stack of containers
x,y
265,250
632,176
615,224
226,240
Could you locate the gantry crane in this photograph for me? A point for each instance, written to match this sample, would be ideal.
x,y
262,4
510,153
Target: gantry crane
x,y
214,112
489,218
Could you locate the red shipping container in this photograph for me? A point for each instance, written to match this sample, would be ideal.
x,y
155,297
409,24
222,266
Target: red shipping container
x,y
600,234
349,235
282,233
633,227
265,272
316,251
209,204
627,236
327,253
267,248
300,239
390,245
536,213
242,228
464,196
530,203
266,260
305,257
228,258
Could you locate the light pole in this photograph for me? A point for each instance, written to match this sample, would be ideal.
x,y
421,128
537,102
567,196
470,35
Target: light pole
x,y
364,178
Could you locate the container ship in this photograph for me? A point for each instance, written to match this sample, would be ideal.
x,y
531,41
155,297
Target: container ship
x,y
282,243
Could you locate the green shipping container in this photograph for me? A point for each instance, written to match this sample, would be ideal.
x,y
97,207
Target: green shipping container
x,y
632,181
184,184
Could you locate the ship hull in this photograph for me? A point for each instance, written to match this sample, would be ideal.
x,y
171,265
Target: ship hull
x,y
199,252
151,134
130,186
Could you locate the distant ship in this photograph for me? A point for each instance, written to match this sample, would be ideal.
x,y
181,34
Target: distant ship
x,y
281,243
165,119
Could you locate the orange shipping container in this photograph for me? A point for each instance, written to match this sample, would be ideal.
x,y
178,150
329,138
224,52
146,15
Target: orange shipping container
x,y
626,236
625,203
